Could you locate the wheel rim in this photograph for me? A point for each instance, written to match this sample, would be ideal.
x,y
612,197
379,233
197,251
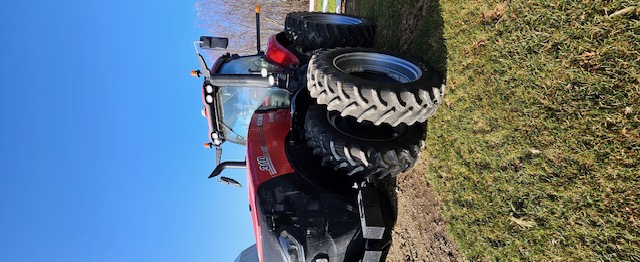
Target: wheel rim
x,y
332,19
364,131
378,67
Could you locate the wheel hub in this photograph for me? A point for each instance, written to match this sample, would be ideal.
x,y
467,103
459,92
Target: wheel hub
x,y
378,67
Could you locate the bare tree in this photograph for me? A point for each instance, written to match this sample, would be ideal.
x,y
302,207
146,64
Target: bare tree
x,y
235,19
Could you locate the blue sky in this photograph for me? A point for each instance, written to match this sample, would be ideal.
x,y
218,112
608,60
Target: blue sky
x,y
102,156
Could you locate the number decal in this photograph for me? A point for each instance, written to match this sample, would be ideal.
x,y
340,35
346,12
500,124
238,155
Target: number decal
x,y
263,163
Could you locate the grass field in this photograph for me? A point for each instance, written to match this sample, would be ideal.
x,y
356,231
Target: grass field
x,y
331,6
535,150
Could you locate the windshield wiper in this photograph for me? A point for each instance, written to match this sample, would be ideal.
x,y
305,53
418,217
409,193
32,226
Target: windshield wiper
x,y
225,125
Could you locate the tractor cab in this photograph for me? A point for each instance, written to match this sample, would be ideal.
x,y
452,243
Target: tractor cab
x,y
232,90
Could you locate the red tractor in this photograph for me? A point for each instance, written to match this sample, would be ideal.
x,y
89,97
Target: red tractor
x,y
323,119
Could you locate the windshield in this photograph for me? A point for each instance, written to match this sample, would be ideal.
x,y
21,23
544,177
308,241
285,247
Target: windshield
x,y
239,103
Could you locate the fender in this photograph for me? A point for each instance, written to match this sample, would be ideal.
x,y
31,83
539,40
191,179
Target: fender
x,y
279,54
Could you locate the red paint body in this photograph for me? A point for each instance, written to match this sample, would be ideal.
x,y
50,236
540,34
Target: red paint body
x,y
266,157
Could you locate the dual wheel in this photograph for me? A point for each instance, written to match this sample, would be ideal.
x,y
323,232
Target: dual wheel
x,y
371,104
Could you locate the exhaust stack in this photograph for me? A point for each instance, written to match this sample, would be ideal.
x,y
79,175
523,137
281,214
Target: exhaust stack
x,y
258,27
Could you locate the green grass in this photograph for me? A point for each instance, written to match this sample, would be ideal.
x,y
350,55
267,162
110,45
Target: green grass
x,y
331,6
535,149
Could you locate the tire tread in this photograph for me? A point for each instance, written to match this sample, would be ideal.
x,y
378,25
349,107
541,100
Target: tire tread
x,y
409,104
357,157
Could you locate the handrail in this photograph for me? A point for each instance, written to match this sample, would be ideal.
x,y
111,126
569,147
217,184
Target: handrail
x,y
225,165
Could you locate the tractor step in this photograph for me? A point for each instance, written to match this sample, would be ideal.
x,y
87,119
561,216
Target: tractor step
x,y
371,219
372,256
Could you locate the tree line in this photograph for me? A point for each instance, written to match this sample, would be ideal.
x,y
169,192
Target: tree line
x,y
235,19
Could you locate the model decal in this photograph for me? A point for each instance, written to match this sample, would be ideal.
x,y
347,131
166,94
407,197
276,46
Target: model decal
x,y
264,161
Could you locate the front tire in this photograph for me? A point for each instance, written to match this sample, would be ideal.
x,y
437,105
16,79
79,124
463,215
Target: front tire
x,y
377,86
362,149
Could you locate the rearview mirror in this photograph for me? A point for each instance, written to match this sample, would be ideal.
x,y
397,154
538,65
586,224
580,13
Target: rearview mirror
x,y
229,181
210,42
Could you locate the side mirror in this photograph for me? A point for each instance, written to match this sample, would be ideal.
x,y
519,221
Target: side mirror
x,y
209,42
229,181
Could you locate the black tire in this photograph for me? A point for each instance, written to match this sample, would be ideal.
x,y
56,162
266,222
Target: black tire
x,y
374,85
311,30
362,149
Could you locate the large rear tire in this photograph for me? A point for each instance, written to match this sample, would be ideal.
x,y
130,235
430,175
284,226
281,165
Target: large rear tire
x,y
374,85
311,30
362,149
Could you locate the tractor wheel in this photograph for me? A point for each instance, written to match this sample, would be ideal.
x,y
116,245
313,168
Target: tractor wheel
x,y
374,85
311,30
362,149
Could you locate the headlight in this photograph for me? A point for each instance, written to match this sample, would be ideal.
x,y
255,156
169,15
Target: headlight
x,y
291,248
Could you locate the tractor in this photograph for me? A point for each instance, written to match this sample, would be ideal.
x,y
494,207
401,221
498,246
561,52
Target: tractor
x,y
324,119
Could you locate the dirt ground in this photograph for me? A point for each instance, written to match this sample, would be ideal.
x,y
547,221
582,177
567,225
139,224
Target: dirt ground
x,y
419,233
